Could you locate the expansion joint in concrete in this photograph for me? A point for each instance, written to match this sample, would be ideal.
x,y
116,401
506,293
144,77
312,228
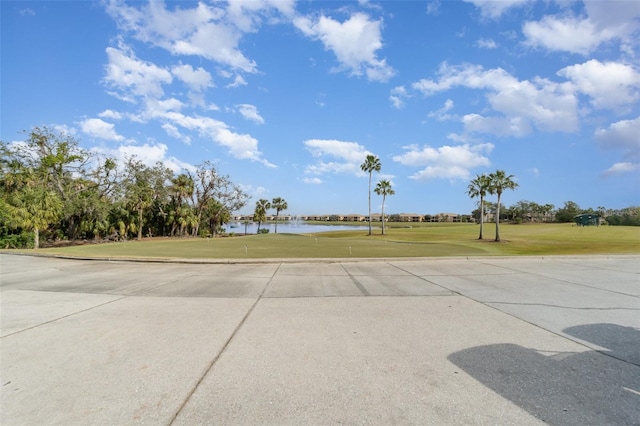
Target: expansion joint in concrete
x,y
224,347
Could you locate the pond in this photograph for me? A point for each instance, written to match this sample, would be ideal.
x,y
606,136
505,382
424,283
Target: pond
x,y
297,227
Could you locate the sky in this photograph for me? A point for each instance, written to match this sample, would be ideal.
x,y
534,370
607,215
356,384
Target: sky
x,y
289,97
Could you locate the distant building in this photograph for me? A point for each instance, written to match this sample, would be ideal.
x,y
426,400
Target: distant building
x,y
446,217
376,217
410,217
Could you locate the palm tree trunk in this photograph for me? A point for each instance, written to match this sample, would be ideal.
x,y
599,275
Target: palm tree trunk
x,y
369,203
498,220
36,238
383,197
481,216
139,224
276,230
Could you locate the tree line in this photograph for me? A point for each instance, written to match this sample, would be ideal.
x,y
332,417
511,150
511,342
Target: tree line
x,y
51,188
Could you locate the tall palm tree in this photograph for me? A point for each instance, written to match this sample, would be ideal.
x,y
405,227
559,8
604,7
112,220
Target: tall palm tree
x,y
384,188
499,182
371,164
260,213
479,187
278,204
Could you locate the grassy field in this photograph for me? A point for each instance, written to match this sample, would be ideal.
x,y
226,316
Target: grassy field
x,y
423,240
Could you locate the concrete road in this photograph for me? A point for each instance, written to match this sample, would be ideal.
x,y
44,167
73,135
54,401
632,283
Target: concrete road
x,y
427,341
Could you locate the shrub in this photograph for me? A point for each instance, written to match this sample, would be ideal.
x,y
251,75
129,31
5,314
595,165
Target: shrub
x,y
17,241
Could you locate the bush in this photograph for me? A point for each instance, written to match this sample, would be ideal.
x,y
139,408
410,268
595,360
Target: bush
x,y
623,220
263,231
17,241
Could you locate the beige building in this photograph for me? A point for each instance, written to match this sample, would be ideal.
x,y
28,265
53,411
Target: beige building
x,y
446,217
411,217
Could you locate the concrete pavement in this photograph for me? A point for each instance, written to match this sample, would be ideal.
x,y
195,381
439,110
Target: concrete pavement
x,y
410,341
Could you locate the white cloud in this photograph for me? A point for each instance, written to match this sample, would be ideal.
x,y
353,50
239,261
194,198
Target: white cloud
x,y
398,95
109,114
175,133
354,42
133,77
547,105
609,84
605,21
493,9
185,31
158,109
620,168
623,135
240,146
442,113
347,156
137,80
64,129
312,180
148,154
565,34
100,129
433,7
486,43
247,15
445,162
250,112
197,80
499,126
237,82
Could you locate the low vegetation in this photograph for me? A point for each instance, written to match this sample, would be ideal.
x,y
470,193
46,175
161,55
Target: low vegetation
x,y
424,240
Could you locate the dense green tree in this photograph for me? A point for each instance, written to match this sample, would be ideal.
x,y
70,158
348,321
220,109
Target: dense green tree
x,y
547,212
217,215
500,181
181,214
50,187
479,187
260,212
371,164
44,179
145,187
568,212
384,188
32,207
629,216
279,204
210,184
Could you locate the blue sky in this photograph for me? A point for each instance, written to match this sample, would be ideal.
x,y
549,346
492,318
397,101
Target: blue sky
x,y
288,98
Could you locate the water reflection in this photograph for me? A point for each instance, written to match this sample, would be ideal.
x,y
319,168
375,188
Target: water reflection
x,y
295,227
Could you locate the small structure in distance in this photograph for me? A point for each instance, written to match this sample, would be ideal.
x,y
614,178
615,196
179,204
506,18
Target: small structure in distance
x,y
587,220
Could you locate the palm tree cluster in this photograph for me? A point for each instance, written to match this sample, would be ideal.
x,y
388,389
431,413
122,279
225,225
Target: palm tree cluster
x,y
50,186
262,206
383,188
372,164
493,183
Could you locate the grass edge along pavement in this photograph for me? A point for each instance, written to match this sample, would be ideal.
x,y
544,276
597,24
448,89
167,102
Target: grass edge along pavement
x,y
435,240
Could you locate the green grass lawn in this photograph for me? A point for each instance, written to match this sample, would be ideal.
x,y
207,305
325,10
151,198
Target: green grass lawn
x,y
420,240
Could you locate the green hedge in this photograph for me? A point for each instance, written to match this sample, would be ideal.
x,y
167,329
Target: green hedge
x,y
17,241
